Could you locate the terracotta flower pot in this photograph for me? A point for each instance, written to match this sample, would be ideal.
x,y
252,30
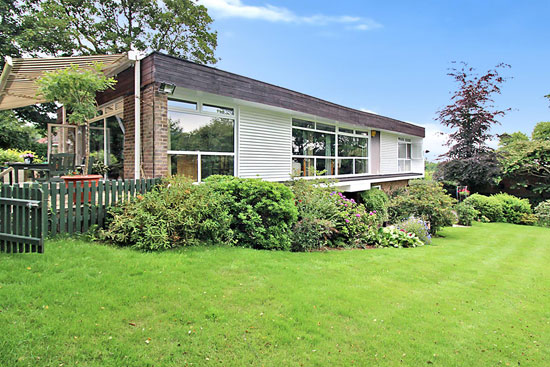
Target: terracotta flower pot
x,y
90,179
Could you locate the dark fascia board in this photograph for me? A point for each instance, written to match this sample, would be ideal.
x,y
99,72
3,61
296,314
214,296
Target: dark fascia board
x,y
187,74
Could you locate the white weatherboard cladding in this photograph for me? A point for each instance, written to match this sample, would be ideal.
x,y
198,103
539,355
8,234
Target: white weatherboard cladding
x,y
388,153
265,144
417,162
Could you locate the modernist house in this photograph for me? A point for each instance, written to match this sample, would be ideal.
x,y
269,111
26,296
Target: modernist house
x,y
198,121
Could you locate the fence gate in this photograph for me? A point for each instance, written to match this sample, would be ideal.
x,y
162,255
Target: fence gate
x,y
23,218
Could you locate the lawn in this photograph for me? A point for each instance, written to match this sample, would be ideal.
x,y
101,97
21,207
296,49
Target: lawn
x,y
479,296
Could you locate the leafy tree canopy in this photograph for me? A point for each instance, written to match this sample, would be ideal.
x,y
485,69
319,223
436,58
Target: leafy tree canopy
x,y
507,139
470,161
541,131
472,112
177,27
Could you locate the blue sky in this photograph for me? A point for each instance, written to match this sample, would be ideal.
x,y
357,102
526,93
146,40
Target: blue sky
x,y
391,57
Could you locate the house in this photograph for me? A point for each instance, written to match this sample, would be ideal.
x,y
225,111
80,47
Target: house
x,y
197,120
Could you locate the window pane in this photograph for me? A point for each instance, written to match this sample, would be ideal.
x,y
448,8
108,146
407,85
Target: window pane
x,y
407,166
349,146
325,127
344,130
195,132
217,109
345,166
182,104
409,147
306,142
303,123
185,165
402,151
358,132
216,165
303,167
326,165
361,166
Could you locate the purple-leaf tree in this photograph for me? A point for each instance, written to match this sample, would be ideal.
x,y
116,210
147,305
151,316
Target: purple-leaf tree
x,y
470,161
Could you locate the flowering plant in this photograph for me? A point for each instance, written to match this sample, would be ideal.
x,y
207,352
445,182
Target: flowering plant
x,y
463,192
394,237
353,222
27,155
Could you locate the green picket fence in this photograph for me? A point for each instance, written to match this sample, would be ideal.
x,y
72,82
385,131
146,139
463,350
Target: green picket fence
x,y
23,220
75,207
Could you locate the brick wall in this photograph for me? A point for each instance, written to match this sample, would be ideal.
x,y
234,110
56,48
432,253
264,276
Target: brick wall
x,y
390,186
154,133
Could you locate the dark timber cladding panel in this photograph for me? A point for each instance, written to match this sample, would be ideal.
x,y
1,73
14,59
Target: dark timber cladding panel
x,y
125,81
207,79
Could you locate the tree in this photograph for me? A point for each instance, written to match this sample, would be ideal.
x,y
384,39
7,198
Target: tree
x,y
177,27
541,131
507,139
471,115
76,89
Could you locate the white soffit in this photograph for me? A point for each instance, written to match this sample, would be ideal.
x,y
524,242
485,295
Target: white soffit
x,y
18,80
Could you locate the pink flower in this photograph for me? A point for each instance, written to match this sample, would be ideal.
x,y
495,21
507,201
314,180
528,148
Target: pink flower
x,y
357,215
347,220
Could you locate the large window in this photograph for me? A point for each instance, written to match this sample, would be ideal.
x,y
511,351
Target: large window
x,y
202,139
323,149
404,152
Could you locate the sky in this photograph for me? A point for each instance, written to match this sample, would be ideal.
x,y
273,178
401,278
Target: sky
x,y
391,57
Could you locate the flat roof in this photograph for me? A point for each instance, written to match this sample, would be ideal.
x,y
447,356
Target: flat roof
x,y
187,74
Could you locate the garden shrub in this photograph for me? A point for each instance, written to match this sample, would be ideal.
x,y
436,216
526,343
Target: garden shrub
x,y
14,155
423,199
394,237
418,227
542,211
502,208
263,213
376,201
175,214
487,206
514,209
466,214
354,224
311,233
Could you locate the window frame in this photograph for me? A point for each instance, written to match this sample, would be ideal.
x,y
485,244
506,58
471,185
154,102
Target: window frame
x,y
199,111
356,133
408,148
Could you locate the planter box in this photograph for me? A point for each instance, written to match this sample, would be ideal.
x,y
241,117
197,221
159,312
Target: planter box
x,y
90,179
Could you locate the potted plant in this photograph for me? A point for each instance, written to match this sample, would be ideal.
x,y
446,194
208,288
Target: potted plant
x,y
28,157
76,88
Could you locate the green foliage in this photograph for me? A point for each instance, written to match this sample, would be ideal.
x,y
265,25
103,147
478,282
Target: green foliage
x,y
177,27
263,213
14,155
394,237
353,222
507,139
541,131
418,227
514,209
75,88
376,201
426,200
176,214
466,213
487,206
311,233
16,134
501,208
527,164
542,211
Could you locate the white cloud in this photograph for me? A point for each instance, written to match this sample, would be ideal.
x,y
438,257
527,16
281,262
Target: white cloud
x,y
236,9
435,141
